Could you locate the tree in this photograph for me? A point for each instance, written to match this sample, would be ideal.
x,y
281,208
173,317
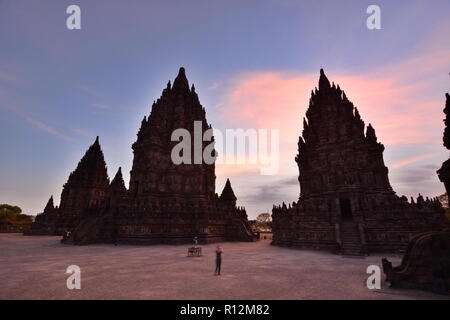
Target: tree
x,y
443,199
264,218
15,209
263,222
12,219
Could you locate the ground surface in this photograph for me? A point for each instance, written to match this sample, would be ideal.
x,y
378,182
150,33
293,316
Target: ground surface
x,y
34,268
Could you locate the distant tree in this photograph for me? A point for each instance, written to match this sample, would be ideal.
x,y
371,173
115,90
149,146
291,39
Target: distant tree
x,y
15,209
12,219
443,199
264,218
263,222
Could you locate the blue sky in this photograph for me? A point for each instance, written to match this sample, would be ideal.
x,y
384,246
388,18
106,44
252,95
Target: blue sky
x,y
61,88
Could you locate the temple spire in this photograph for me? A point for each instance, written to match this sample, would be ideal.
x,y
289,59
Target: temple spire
x,y
370,133
324,83
181,82
118,176
117,182
93,161
49,205
357,115
227,192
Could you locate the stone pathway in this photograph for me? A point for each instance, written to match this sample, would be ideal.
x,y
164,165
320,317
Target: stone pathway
x,y
34,268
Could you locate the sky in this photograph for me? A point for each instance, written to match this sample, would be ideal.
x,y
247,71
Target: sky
x,y
253,63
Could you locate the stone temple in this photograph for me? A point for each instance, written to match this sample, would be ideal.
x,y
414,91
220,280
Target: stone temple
x,y
165,203
346,203
444,171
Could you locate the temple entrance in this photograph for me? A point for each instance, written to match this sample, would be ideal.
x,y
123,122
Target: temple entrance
x,y
346,209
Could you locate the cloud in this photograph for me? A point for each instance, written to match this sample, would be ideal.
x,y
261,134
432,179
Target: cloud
x,y
395,99
103,101
12,102
272,193
82,132
407,161
401,100
416,175
215,86
43,127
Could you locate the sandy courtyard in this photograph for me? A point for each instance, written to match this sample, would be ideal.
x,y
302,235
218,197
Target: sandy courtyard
x,y
34,268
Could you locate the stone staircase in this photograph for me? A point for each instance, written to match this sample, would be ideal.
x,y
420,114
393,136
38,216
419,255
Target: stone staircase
x,y
351,239
242,231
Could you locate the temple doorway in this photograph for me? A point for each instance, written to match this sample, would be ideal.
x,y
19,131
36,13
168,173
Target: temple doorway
x,y
346,209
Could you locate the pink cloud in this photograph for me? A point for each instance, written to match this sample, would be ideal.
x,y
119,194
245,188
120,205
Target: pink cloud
x,y
407,161
400,100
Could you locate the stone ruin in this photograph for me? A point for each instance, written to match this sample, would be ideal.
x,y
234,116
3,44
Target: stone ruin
x,y
444,171
426,263
346,203
165,202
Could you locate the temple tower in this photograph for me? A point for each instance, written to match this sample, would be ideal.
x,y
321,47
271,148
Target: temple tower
x,y
340,165
227,195
153,172
117,192
346,202
167,202
85,189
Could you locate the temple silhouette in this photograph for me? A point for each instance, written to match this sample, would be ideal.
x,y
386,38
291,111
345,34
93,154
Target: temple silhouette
x,y
346,203
165,202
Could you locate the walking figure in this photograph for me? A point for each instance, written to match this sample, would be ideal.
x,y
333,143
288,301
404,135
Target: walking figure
x,y
218,260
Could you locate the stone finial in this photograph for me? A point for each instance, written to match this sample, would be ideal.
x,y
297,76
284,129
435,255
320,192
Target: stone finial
x,y
370,133
117,182
181,82
93,160
324,83
228,193
49,206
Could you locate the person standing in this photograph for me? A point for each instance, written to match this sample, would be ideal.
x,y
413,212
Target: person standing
x,y
219,252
